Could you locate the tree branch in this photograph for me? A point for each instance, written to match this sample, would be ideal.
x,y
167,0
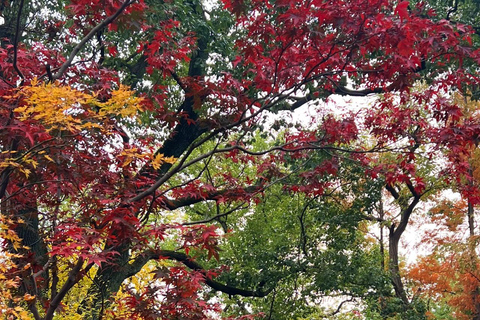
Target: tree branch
x,y
138,264
32,305
212,195
357,93
72,279
226,213
392,191
179,81
452,10
89,36
412,189
352,299
374,219
406,216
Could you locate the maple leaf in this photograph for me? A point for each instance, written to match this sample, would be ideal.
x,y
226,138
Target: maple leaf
x,y
237,7
160,159
402,10
201,83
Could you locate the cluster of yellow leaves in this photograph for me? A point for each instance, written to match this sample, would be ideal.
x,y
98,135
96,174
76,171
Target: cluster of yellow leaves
x,y
118,309
138,284
160,159
8,234
122,103
157,160
65,108
470,108
10,304
449,213
21,162
131,154
55,106
75,296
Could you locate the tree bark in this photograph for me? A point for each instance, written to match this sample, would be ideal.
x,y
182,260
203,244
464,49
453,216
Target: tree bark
x,y
393,265
395,234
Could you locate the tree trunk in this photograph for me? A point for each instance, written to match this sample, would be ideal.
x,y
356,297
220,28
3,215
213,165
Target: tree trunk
x,y
393,265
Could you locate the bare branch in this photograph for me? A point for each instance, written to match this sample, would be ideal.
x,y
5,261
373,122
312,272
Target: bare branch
x,y
352,299
392,191
406,216
357,93
205,168
44,269
226,213
452,9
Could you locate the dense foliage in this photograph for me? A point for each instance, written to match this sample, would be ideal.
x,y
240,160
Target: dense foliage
x,y
191,159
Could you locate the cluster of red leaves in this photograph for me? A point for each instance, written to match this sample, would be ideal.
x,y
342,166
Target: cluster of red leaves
x,y
289,44
202,237
178,292
97,10
166,50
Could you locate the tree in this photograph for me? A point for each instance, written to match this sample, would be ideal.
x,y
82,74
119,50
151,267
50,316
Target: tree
x,y
131,110
453,260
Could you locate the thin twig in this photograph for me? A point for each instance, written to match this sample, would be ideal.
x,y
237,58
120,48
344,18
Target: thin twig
x,y
226,213
146,215
89,36
205,168
27,186
352,299
44,269
271,304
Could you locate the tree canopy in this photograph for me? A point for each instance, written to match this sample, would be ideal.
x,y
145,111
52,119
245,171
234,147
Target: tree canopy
x,y
239,159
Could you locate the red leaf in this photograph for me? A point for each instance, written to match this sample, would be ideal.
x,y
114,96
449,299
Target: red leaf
x,y
402,10
113,51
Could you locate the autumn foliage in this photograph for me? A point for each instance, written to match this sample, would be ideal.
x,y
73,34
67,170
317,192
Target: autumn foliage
x,y
131,130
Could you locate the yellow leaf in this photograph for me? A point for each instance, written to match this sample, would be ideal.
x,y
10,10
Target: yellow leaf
x,y
127,162
160,159
11,283
122,103
25,171
28,297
